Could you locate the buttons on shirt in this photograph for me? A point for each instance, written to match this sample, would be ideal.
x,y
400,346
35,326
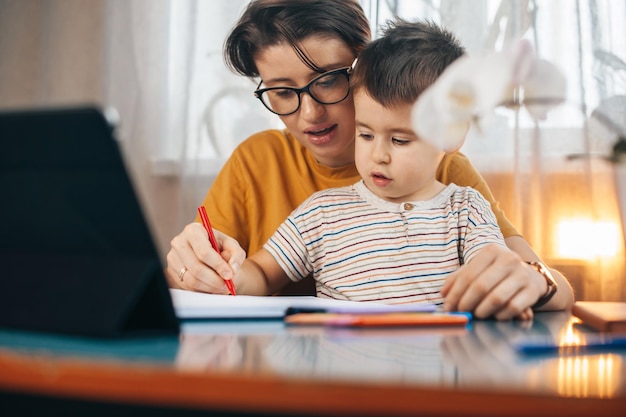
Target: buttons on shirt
x,y
408,206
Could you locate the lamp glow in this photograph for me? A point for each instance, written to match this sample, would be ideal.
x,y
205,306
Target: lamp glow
x,y
586,239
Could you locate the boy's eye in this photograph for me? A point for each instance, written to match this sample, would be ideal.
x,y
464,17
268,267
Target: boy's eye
x,y
399,141
365,136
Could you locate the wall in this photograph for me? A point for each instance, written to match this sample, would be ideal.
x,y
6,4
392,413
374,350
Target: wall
x,y
37,69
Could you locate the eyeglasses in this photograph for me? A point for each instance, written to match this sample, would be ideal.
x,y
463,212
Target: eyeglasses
x,y
330,87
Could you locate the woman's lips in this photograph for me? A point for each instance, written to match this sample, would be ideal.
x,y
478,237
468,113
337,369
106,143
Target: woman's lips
x,y
321,136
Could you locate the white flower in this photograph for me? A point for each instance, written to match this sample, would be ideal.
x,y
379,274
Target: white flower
x,y
472,87
544,88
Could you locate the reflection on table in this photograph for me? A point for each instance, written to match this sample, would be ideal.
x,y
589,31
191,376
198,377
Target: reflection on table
x,y
482,355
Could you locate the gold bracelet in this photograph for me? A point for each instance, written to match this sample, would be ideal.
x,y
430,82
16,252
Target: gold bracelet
x,y
552,286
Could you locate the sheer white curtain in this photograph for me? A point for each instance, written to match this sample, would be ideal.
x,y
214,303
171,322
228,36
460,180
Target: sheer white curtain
x,y
183,111
565,206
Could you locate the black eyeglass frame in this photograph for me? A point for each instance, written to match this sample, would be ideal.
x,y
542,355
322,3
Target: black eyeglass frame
x,y
258,93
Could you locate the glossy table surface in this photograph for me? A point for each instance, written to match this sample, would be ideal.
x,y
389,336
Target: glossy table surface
x,y
267,367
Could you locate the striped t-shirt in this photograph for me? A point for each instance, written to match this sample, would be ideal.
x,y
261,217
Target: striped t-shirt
x,y
360,247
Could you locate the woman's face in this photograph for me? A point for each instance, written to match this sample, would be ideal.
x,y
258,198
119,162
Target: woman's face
x,y
326,130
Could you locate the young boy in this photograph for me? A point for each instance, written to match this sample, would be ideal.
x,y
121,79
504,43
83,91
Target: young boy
x,y
394,236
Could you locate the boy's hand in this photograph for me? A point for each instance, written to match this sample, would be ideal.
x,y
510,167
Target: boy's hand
x,y
497,282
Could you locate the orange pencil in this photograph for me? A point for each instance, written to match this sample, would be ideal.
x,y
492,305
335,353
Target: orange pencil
x,y
207,225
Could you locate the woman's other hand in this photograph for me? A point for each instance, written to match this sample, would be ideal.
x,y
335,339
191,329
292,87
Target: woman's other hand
x,y
496,283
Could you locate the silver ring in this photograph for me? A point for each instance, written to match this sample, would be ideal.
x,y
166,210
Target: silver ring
x,y
181,274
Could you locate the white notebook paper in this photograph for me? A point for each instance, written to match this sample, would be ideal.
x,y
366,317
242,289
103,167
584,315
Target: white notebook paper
x,y
196,305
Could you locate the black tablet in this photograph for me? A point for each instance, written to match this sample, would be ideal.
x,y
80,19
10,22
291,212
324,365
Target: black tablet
x,y
76,253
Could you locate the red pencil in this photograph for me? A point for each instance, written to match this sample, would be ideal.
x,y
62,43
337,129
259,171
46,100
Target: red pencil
x,y
207,225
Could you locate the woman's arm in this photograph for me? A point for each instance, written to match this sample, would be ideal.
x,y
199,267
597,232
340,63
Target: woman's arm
x,y
563,299
498,282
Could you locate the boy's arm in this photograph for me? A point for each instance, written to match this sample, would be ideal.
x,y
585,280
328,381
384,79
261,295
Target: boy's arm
x,y
260,274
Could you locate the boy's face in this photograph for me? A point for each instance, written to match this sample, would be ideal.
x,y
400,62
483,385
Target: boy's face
x,y
395,164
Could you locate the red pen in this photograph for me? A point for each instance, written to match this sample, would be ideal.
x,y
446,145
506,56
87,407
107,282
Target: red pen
x,y
207,225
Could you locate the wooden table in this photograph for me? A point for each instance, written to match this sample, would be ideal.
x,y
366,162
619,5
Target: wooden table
x,y
265,368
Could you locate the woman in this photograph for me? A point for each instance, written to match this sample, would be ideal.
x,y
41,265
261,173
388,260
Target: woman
x,y
306,47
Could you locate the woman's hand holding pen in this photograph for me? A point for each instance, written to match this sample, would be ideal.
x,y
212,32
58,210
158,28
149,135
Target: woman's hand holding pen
x,y
193,264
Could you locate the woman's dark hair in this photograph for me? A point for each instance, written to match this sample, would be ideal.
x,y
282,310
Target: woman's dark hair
x,y
267,23
409,56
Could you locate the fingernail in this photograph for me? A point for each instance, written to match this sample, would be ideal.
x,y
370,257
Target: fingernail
x,y
226,273
235,267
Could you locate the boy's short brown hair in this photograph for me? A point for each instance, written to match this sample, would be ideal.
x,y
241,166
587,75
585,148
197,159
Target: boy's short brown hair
x,y
408,57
